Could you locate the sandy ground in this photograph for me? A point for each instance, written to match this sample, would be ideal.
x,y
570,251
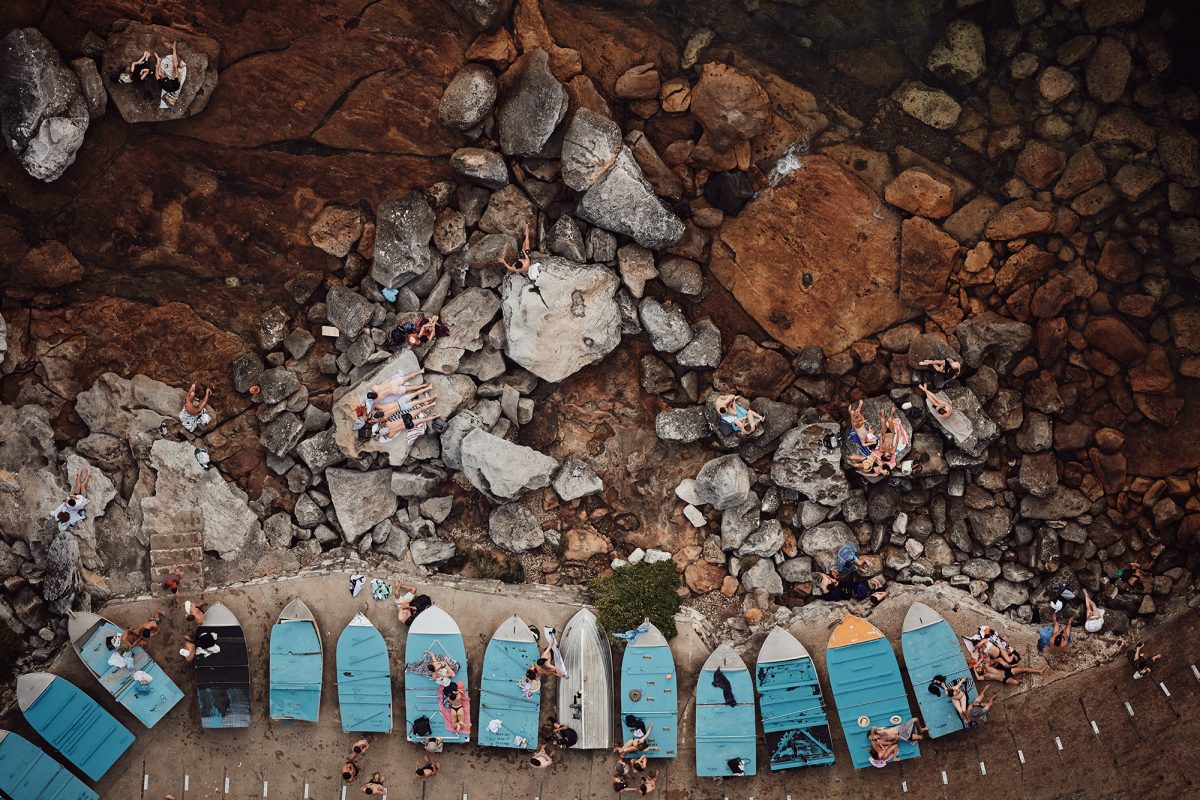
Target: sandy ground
x,y
1041,742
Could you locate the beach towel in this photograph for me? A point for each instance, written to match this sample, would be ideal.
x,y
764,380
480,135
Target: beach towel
x,y
444,707
957,425
847,558
356,584
424,666
555,653
380,589
168,62
629,636
722,683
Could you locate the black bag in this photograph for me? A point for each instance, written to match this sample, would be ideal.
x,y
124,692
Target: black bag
x,y
421,727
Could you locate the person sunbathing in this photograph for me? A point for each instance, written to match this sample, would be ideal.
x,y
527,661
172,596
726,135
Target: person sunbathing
x,y
985,671
943,366
440,670
401,402
637,744
545,664
396,385
859,423
951,420
870,466
956,690
454,699
170,71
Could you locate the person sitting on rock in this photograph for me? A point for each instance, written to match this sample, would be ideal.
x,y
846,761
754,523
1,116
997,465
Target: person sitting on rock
x,y
72,511
736,415
400,402
894,438
948,367
1094,614
871,465
171,72
139,74
420,331
862,434
952,421
1130,578
195,415
1056,637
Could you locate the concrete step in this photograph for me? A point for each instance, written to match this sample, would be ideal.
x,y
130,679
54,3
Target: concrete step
x,y
167,541
176,555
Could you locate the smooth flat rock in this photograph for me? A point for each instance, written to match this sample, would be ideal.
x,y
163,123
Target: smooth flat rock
x,y
501,469
624,202
403,229
802,462
361,500
346,437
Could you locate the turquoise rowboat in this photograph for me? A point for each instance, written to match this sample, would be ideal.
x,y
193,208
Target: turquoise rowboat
x,y
364,678
74,724
791,704
508,715
867,687
296,661
931,648
434,631
648,695
29,774
89,634
725,735
585,696
223,674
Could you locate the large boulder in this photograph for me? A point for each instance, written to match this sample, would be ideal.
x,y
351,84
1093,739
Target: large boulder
x,y
469,97
501,469
989,336
403,229
513,527
624,202
43,114
361,499
344,415
724,481
814,259
190,499
565,321
804,463
731,106
138,103
532,103
483,14
590,147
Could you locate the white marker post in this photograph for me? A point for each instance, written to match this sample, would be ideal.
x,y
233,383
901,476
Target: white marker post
x,y
982,768
945,780
1095,727
1163,686
1129,708
226,785
1021,756
145,782
1058,742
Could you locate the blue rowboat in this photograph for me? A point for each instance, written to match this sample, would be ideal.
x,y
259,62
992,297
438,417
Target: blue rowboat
x,y
648,695
28,773
74,724
89,634
223,675
508,716
364,678
867,687
296,661
725,734
585,696
931,648
789,699
434,632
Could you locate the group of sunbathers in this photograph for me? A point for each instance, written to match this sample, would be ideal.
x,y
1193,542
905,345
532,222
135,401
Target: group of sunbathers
x,y
633,757
845,580
876,448
737,418
152,71
885,742
401,404
994,659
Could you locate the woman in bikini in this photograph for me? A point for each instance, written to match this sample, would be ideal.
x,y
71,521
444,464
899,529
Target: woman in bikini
x,y
403,401
453,695
397,385
737,416
638,744
440,671
427,769
956,690
984,671
545,665
404,608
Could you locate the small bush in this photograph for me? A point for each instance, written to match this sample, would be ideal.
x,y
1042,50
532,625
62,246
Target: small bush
x,y
630,594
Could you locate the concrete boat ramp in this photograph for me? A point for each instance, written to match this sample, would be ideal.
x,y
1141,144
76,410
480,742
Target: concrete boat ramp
x,y
1091,734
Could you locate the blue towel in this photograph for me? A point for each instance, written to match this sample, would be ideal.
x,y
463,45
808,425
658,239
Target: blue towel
x,y
629,636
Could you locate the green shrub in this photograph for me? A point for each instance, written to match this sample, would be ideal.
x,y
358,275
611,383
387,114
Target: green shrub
x,y
630,594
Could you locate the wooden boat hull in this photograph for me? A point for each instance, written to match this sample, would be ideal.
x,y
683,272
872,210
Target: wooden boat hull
x,y
931,648
792,707
72,723
585,696
867,687
648,692
89,635
26,772
507,716
364,678
296,665
436,631
223,678
725,733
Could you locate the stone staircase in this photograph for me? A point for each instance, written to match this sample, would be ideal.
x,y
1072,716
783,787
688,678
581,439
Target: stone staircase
x,y
180,553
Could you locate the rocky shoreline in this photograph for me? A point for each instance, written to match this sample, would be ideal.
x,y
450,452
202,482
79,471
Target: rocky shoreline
x,y
702,225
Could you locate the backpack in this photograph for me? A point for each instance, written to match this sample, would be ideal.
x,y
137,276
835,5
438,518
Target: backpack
x,y
421,727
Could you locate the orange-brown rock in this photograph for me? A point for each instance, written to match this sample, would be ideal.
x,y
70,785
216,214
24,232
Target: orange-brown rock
x,y
927,256
918,192
1118,262
752,370
1084,170
638,83
1027,264
583,544
582,93
1051,297
532,31
1039,163
1113,336
675,95
1020,218
703,577
497,48
731,106
815,259
50,265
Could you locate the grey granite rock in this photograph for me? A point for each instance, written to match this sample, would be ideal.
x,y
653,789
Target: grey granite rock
x,y
403,230
624,202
